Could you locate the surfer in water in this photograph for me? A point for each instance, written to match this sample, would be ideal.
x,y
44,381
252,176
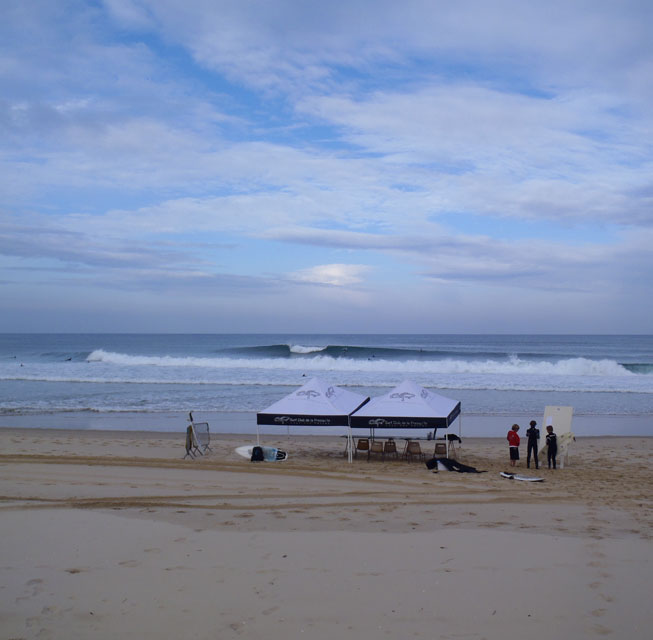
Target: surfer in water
x,y
551,446
533,434
513,443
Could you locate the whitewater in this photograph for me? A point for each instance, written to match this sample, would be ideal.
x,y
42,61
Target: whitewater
x,y
491,375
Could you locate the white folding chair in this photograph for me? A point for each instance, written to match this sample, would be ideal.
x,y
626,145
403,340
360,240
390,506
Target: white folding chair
x,y
203,435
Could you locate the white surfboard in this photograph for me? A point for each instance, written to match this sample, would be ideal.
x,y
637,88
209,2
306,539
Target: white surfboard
x,y
560,419
270,454
516,476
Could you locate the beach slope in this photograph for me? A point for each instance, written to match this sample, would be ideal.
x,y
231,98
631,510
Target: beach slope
x,y
114,535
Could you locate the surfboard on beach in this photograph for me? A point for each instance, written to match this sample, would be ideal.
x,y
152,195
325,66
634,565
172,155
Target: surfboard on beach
x,y
516,476
270,454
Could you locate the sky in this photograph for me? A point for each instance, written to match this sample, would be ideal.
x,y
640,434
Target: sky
x,y
359,166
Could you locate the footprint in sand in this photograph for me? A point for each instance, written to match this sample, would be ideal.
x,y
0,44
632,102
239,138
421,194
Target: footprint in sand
x,y
36,588
601,630
129,563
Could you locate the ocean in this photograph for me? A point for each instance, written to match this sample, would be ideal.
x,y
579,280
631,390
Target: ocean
x,y
99,380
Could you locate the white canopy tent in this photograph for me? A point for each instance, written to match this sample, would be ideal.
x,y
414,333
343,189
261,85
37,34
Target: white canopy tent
x,y
407,406
316,403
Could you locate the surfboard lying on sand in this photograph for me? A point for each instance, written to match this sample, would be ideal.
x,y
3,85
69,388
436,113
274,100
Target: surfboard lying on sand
x,y
516,476
270,454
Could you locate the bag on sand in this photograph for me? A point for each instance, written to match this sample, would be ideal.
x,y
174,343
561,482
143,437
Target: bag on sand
x,y
450,465
257,454
432,463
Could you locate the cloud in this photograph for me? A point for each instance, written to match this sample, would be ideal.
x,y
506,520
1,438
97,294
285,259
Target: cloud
x,y
350,239
338,275
503,153
412,150
290,43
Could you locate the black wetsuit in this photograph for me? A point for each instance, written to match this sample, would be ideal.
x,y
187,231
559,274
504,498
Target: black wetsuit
x,y
451,465
533,436
552,449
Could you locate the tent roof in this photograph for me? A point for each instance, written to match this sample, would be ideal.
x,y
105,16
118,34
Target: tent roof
x,y
407,406
315,403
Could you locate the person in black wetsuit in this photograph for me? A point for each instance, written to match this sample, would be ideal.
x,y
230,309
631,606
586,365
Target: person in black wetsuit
x,y
551,446
533,434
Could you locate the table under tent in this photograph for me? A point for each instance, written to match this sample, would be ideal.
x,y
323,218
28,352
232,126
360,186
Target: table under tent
x,y
315,404
407,406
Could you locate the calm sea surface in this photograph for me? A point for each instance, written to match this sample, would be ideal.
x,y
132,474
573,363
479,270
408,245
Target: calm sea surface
x,y
493,375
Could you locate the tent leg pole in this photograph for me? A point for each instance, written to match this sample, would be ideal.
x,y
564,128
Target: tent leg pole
x,y
350,446
258,438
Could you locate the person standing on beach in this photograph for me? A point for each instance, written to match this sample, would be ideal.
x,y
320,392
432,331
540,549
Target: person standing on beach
x,y
513,443
551,446
533,437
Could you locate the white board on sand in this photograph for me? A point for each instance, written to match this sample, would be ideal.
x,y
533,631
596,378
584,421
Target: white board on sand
x,y
270,454
516,476
560,418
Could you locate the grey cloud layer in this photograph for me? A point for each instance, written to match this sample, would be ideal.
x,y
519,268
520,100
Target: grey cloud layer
x,y
382,129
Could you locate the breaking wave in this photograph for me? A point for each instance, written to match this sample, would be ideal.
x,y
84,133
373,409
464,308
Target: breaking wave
x,y
512,365
489,374
298,348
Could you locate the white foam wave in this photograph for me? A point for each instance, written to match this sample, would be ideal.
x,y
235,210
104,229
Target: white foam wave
x,y
105,367
109,357
298,348
512,366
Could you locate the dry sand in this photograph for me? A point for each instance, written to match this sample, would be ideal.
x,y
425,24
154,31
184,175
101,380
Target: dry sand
x,y
112,534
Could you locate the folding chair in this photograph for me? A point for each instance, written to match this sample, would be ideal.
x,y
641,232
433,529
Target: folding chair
x,y
440,450
390,448
453,444
375,447
363,444
203,435
413,449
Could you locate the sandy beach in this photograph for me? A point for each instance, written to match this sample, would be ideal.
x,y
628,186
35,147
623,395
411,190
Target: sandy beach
x,y
113,534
